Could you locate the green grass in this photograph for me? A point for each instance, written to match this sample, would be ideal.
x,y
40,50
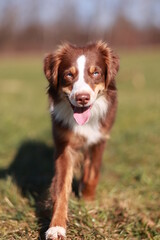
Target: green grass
x,y
127,204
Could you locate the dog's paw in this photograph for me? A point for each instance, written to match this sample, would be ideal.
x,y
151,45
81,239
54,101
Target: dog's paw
x,y
54,233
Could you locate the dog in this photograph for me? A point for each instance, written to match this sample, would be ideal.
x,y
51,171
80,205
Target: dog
x,y
83,98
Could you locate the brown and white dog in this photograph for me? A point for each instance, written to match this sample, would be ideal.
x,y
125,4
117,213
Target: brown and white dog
x,y
83,97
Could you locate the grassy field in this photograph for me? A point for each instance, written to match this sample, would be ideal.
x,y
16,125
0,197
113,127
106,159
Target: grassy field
x,y
127,204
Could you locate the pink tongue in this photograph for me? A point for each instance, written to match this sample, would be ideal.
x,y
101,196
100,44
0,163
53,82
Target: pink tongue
x,y
81,115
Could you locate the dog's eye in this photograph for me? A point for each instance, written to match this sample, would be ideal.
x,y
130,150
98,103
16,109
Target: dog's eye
x,y
96,74
70,75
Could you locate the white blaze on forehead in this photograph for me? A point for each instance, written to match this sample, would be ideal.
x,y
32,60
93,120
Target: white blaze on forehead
x,y
81,66
80,85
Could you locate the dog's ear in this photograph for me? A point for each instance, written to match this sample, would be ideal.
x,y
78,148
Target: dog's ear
x,y
51,64
111,60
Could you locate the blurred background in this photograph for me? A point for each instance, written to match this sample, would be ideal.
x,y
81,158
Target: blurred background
x,y
128,196
38,25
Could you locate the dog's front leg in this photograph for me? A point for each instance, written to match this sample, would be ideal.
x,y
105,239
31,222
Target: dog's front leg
x,y
62,188
92,169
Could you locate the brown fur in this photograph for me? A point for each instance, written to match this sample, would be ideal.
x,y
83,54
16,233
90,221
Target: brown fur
x,y
70,147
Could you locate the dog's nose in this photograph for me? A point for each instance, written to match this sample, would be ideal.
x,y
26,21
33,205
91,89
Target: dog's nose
x,y
82,98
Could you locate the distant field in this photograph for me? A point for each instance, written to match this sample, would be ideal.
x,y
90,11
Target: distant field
x,y
127,205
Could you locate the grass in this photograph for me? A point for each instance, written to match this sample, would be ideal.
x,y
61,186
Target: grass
x,y
127,204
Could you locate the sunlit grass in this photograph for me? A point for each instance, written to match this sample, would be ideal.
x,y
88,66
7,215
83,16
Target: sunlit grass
x,y
128,195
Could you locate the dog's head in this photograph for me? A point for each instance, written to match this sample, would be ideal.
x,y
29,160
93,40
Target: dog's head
x,y
80,74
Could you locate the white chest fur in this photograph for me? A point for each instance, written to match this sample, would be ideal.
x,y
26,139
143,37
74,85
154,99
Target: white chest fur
x,y
91,130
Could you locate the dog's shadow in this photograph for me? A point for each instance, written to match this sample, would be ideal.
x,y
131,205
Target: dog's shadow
x,y
32,169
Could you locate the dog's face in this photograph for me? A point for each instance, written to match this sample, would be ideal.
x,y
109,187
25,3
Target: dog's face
x,y
81,75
